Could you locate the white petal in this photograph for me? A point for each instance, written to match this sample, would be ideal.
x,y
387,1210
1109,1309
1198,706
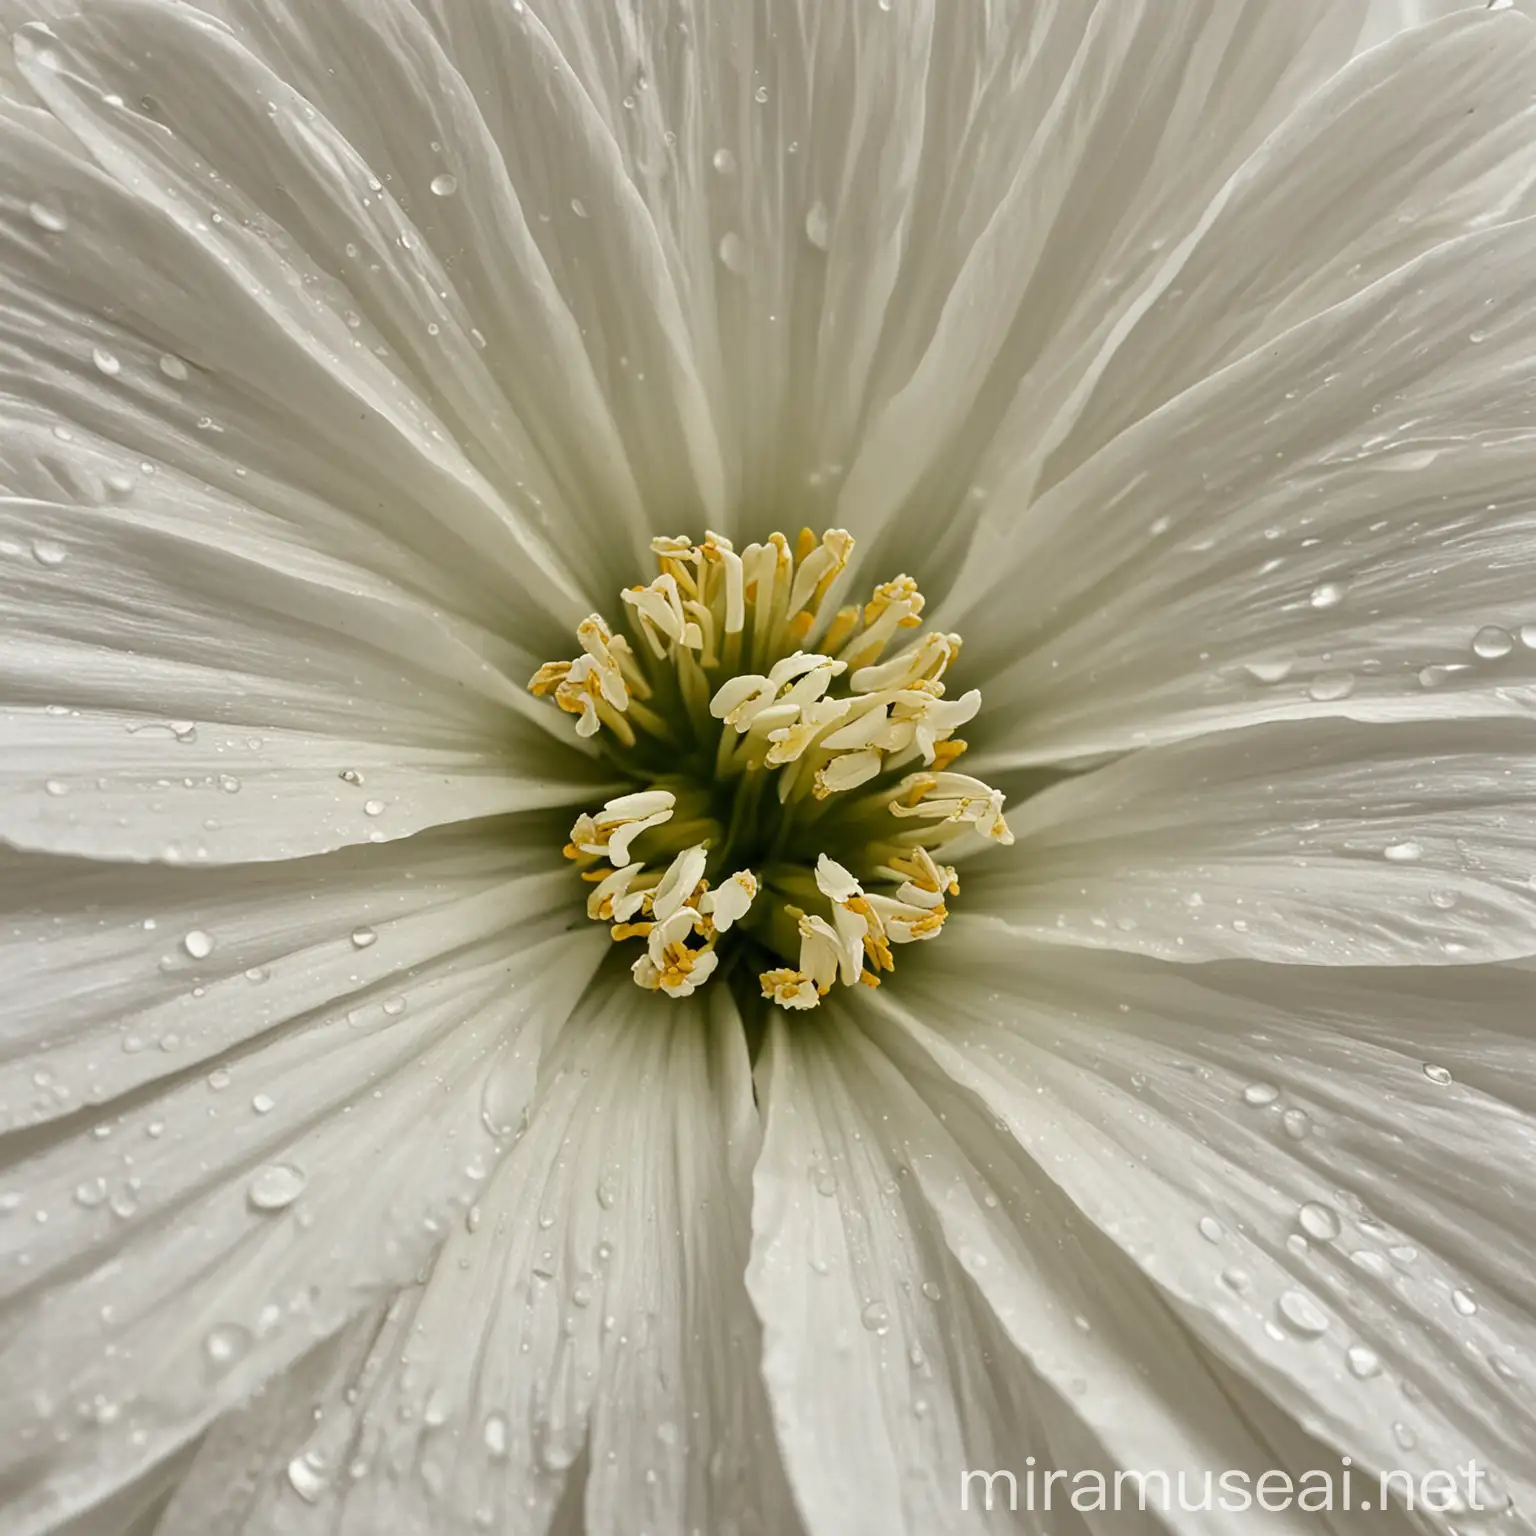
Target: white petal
x,y
1181,573
583,1335
117,977
929,1307
219,1241
1331,844
1344,1230
554,254
1063,146
228,223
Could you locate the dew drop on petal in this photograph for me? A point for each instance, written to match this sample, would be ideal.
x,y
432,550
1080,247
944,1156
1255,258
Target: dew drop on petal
x,y
263,1104
225,1344
1329,595
1363,1362
1318,1221
48,218
306,1478
932,1291
1301,1314
876,1317
724,162
444,185
173,368
733,253
1268,672
1259,1094
49,552
276,1186
818,226
1329,687
1491,642
1464,1303
373,808
363,938
106,362
1528,636
198,944
1437,1074
1210,1229
1403,853
495,1435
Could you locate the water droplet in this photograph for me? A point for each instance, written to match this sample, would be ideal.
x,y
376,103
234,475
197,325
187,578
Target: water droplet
x,y
1329,595
444,185
49,552
435,1413
733,253
1210,1229
1260,1094
1528,636
1269,672
579,208
607,1193
495,1435
818,226
1404,1436
1236,1279
932,1291
724,162
824,1179
219,1079
306,1478
263,1104
225,1344
91,1193
276,1186
1363,1362
198,944
1318,1221
876,1317
1491,642
1296,1123
55,787
373,808
363,938
173,368
48,218
1437,1074
1301,1314
106,362
760,95
1329,687
394,1006
229,784
1464,1303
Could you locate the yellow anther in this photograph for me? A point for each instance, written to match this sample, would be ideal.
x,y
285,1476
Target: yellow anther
x,y
548,678
947,752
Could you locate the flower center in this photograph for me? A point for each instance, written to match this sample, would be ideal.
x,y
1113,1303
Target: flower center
x,y
795,791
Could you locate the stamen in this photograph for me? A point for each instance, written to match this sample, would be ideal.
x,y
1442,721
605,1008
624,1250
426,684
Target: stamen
x,y
743,839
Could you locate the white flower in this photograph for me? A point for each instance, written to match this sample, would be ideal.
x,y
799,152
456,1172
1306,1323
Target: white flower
x,y
359,356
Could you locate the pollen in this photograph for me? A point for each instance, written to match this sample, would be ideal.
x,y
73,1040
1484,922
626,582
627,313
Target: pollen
x,y
795,815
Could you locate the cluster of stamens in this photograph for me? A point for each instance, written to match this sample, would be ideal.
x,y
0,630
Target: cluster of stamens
x,y
737,679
